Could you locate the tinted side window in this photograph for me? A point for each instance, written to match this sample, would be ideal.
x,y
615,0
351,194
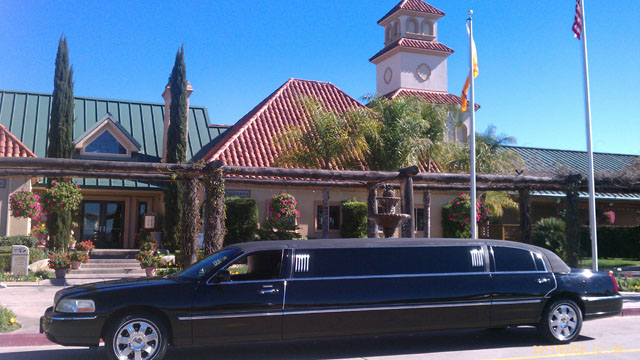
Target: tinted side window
x,y
261,265
512,259
539,262
387,261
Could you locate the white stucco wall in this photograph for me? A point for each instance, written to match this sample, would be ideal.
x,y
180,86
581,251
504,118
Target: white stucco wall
x,y
403,66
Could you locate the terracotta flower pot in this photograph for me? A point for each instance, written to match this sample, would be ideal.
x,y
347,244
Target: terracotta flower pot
x,y
75,265
151,271
42,240
61,273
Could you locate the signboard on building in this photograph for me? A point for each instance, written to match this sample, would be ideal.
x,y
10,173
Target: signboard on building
x,y
149,221
19,260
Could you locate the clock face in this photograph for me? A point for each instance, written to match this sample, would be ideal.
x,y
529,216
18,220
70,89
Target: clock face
x,y
423,72
388,75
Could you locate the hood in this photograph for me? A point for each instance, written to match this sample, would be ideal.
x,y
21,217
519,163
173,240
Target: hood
x,y
115,285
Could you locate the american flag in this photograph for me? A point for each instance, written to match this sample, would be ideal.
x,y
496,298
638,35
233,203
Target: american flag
x,y
577,22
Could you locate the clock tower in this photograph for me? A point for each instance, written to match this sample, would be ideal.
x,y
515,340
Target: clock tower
x,y
412,57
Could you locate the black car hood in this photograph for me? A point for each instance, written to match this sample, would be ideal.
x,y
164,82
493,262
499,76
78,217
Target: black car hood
x,y
117,285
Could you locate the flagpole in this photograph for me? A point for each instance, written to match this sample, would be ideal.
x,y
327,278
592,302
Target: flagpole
x,y
472,141
587,98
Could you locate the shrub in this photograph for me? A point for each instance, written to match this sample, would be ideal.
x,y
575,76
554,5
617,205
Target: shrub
x,y
141,237
241,220
354,219
613,241
281,224
25,204
456,216
551,233
79,256
25,240
5,262
36,255
8,321
628,284
148,259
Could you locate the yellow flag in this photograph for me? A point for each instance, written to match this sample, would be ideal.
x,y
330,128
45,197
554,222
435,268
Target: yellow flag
x,y
467,83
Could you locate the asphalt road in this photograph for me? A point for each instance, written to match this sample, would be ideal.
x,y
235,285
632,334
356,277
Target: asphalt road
x,y
605,339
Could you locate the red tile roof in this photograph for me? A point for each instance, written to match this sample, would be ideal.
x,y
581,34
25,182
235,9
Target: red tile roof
x,y
414,44
413,5
10,146
434,97
249,141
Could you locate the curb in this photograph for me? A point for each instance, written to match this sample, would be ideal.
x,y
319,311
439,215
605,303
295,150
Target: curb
x,y
630,312
28,339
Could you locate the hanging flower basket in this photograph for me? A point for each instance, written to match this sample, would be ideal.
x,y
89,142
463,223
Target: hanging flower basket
x,y
61,196
25,204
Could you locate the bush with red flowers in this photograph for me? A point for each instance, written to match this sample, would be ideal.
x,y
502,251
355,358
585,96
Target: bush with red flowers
x,y
456,216
283,207
59,261
62,197
25,204
85,246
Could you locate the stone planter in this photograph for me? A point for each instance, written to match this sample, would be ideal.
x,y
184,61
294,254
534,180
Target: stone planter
x,y
61,273
151,271
72,244
75,265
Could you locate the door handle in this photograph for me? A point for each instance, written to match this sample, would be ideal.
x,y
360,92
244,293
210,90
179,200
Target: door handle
x,y
543,280
268,291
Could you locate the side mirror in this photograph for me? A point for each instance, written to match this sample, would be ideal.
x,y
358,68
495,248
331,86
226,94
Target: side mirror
x,y
222,276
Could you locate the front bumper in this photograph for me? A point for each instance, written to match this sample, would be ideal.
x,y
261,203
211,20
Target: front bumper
x,y
602,306
71,329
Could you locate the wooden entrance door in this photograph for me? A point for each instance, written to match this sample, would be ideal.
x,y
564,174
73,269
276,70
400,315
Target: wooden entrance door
x,y
103,223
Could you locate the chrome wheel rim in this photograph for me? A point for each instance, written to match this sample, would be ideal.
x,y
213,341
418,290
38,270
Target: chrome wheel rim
x,y
563,321
137,339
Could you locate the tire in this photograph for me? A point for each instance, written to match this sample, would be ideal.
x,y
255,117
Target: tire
x,y
138,332
561,322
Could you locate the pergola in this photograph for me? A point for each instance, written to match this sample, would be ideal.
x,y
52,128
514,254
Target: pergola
x,y
408,179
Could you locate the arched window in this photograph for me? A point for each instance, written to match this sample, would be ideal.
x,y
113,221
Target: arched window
x,y
427,28
396,28
412,26
387,33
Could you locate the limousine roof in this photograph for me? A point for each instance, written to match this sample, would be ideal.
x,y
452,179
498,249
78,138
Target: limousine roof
x,y
557,265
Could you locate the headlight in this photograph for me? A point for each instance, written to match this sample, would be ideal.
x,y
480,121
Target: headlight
x,y
75,306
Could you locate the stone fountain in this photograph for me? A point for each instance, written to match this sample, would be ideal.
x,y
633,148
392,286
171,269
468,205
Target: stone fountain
x,y
388,219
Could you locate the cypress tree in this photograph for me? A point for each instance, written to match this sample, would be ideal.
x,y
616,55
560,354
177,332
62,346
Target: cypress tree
x,y
61,138
174,198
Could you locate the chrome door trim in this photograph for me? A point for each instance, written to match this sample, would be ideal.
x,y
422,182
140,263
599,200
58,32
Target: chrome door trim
x,y
336,310
601,298
511,302
386,276
72,318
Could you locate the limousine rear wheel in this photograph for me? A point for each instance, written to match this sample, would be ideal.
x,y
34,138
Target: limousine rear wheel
x,y
139,336
561,321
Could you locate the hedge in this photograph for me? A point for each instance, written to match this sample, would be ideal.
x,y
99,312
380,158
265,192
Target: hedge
x,y
451,229
25,240
354,219
621,242
242,220
5,257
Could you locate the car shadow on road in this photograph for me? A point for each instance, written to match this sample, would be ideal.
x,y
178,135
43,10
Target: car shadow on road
x,y
349,347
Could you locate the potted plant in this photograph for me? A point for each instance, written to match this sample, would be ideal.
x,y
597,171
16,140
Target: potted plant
x,y
40,232
149,262
85,246
62,197
77,259
25,204
72,241
60,263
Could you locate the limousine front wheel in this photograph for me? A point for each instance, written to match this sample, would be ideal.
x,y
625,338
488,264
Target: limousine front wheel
x,y
138,336
561,321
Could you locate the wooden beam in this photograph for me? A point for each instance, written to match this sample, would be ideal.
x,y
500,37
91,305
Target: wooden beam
x,y
408,228
325,213
427,213
372,209
337,175
100,165
36,173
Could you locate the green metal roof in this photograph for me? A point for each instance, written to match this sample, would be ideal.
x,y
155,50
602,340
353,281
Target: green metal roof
x,y
26,115
545,161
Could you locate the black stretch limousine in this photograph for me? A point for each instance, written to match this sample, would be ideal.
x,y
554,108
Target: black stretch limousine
x,y
281,290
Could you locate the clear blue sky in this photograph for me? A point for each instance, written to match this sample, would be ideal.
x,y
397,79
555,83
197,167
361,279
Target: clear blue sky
x,y
238,52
